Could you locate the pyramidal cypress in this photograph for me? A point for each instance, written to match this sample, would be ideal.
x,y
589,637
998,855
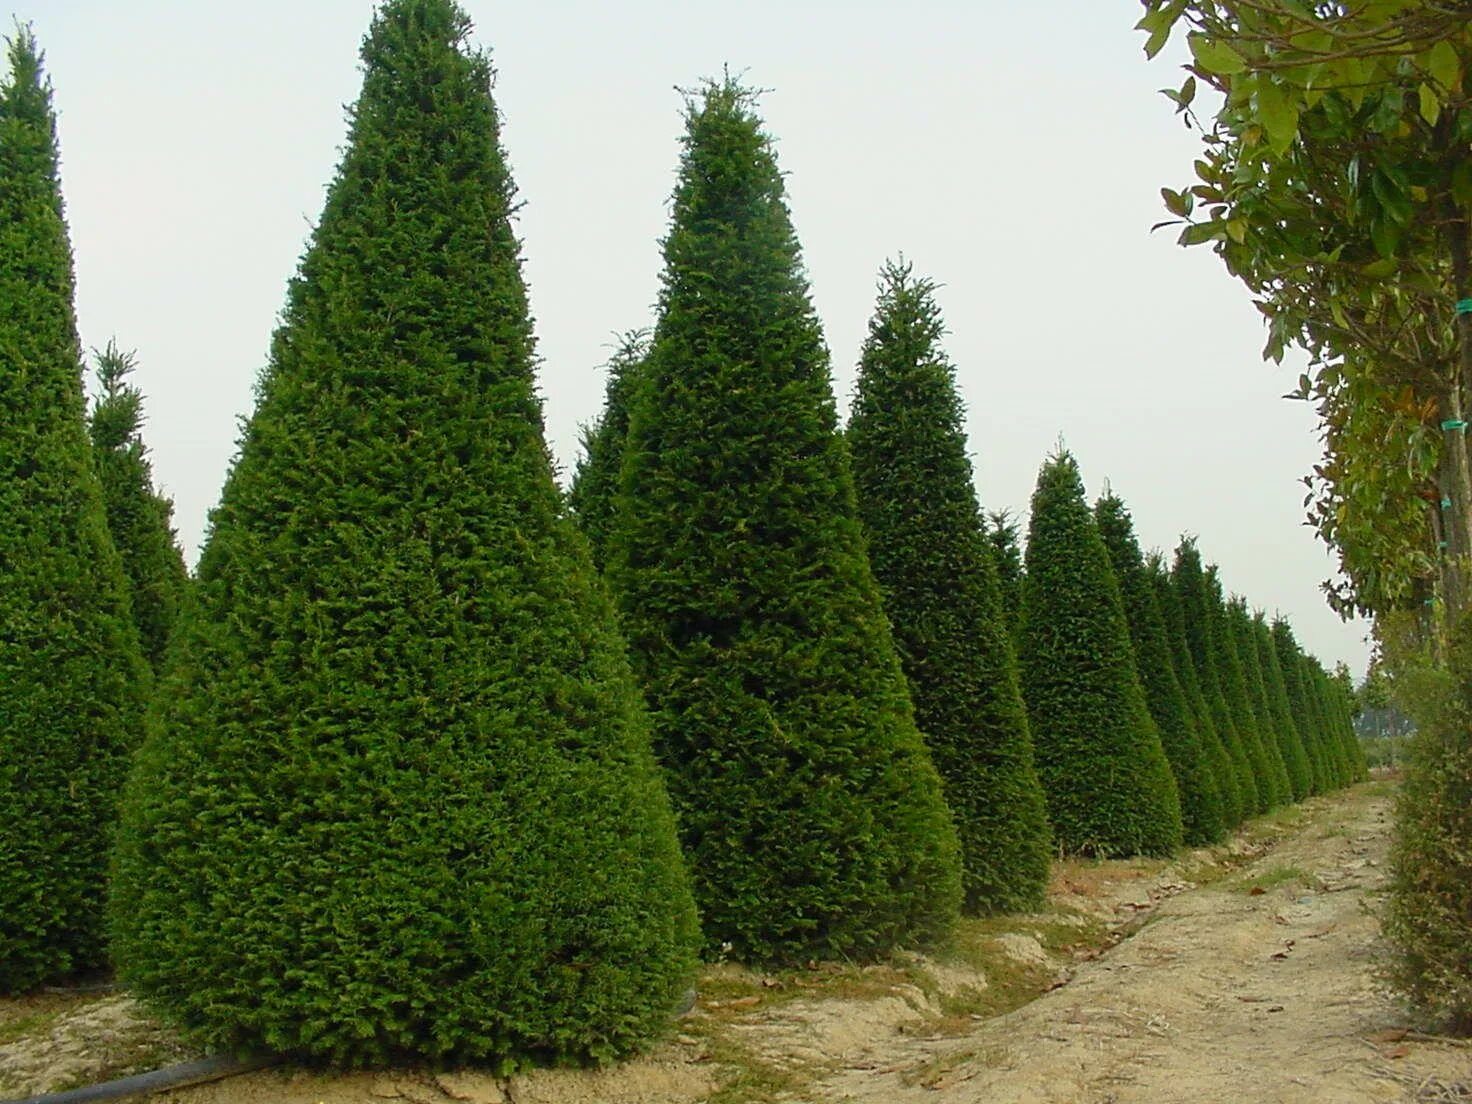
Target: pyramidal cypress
x,y
1295,759
1204,632
1201,799
72,678
809,807
1223,773
1295,682
928,548
138,517
593,496
1239,623
1107,780
1234,690
1005,539
398,796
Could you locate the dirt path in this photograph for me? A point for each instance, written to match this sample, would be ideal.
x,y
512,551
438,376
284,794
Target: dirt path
x,y
1242,974
1256,988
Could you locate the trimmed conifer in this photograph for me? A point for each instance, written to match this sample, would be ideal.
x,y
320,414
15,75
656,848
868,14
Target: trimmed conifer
x,y
1239,624
1200,796
1005,538
138,517
1295,758
1222,771
1234,689
1295,681
1105,774
929,552
810,809
72,679
1204,639
593,496
398,796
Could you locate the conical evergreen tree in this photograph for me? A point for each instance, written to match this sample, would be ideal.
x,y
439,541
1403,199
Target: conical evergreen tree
x,y
1222,771
1234,689
1201,798
810,809
1347,708
1108,783
929,552
1006,542
138,517
1295,758
1204,639
398,797
1295,681
72,678
593,496
1239,624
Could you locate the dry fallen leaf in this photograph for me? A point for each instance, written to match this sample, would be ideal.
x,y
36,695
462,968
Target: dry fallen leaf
x,y
1256,891
1397,1051
1390,1035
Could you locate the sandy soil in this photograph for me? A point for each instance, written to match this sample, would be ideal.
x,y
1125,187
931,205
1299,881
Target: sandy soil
x,y
1237,974
1258,987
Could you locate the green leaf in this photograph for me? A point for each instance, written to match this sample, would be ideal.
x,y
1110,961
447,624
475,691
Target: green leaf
x,y
1430,104
1216,57
1380,269
1279,114
1444,66
1237,230
1177,203
1201,232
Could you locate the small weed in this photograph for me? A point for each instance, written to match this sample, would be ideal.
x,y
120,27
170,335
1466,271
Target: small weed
x,y
33,1023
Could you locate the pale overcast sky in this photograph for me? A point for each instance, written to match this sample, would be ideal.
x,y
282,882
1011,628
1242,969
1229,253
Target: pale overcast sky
x,y
1013,152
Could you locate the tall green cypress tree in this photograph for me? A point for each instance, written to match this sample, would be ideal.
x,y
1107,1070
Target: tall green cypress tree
x,y
1295,758
72,678
1295,681
138,517
1201,798
1234,689
1223,773
810,809
1006,542
593,496
398,796
1108,783
929,552
1239,624
1204,639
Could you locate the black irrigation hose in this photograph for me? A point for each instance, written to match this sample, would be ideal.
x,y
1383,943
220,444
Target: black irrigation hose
x,y
170,1077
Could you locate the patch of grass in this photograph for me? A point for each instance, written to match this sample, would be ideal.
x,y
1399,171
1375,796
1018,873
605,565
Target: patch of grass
x,y
31,1023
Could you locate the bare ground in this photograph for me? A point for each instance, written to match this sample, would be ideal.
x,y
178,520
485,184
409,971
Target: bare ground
x,y
1237,973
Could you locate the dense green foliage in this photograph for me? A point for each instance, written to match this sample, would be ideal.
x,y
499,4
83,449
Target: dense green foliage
x,y
1107,780
1294,666
1255,702
72,678
1006,542
1204,641
929,552
1239,704
1200,795
1428,914
593,496
810,809
1219,763
1290,742
138,517
398,796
